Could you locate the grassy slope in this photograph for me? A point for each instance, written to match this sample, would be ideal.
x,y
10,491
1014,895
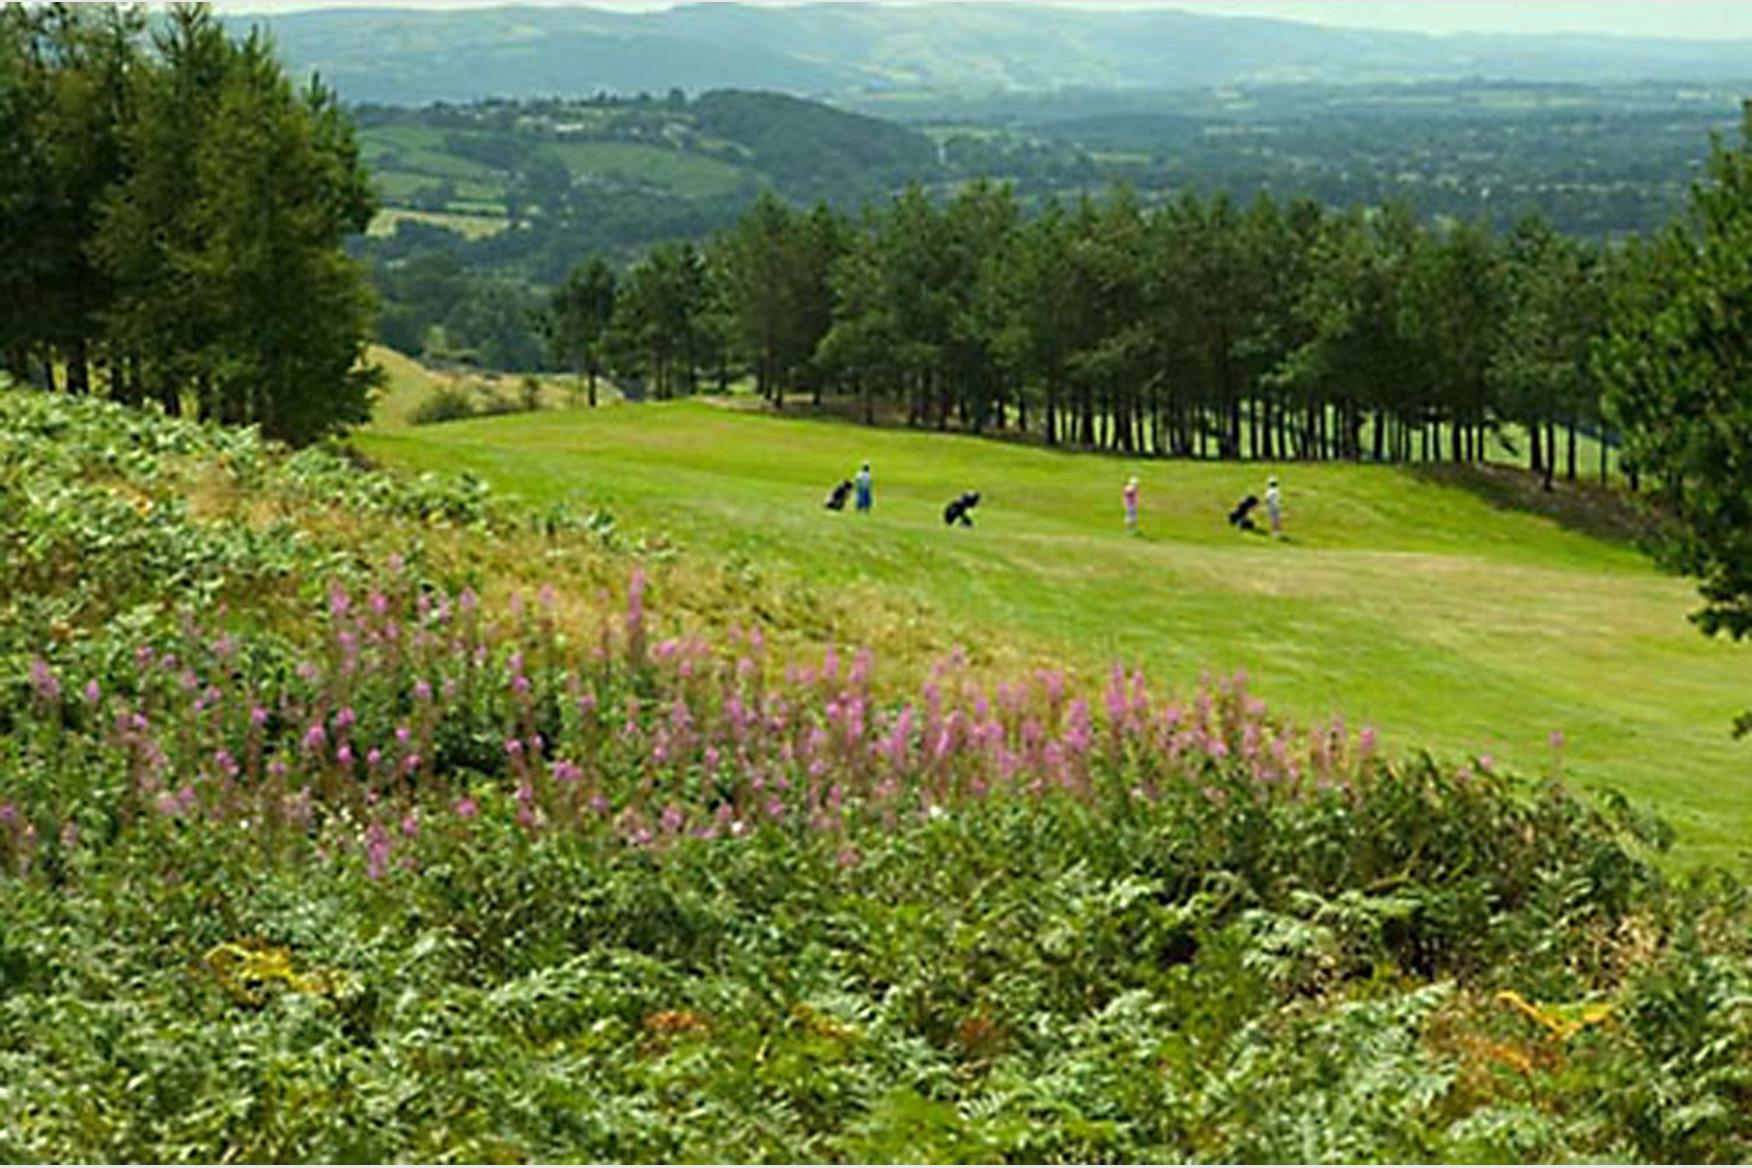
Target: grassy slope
x,y
690,175
1420,608
406,159
408,383
469,226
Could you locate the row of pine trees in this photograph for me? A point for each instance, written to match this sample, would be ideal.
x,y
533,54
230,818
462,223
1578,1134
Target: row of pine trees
x,y
1196,328
172,210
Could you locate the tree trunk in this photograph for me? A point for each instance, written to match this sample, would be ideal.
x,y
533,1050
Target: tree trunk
x,y
125,381
78,368
1571,460
1534,462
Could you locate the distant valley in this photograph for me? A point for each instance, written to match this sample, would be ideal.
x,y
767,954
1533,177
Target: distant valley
x,y
406,56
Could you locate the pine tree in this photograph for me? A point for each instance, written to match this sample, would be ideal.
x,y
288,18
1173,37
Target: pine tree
x,y
578,319
1677,370
161,318
279,186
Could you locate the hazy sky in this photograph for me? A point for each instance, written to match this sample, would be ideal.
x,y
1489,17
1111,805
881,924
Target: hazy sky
x,y
1711,19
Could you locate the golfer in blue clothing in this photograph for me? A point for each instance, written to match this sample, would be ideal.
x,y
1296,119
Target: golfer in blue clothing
x,y
863,484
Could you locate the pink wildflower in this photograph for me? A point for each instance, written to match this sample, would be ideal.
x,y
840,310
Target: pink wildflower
x,y
44,681
315,738
376,851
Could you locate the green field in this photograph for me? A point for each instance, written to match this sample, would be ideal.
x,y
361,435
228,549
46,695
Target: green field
x,y
419,149
398,185
690,175
1449,623
408,159
469,226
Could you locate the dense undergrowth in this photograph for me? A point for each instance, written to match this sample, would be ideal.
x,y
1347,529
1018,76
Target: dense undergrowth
x,y
344,854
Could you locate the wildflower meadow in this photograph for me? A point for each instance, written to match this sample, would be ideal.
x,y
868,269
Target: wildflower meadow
x,y
340,854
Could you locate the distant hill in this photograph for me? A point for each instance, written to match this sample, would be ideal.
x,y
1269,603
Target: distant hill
x,y
596,157
405,56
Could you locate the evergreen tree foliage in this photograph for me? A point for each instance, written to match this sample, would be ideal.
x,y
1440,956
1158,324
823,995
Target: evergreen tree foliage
x,y
176,211
1677,370
578,318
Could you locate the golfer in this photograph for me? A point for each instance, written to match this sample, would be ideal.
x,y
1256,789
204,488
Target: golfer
x,y
864,489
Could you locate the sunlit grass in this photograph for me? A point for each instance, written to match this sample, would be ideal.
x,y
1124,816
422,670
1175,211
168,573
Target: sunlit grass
x,y
1452,624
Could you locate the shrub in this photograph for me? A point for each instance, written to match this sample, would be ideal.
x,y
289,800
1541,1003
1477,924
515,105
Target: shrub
x,y
447,403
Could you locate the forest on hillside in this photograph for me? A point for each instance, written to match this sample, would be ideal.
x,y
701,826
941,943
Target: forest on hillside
x,y
488,205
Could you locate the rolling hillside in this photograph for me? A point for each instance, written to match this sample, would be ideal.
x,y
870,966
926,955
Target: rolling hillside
x,y
410,56
673,165
413,824
1398,601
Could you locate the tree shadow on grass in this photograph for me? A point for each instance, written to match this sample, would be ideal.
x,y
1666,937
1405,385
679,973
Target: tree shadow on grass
x,y
1605,513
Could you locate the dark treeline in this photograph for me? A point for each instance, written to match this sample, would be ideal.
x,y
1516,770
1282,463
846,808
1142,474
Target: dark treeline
x,y
1197,328
171,217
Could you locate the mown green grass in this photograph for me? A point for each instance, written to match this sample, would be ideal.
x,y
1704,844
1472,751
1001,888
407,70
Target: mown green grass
x,y
1452,624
